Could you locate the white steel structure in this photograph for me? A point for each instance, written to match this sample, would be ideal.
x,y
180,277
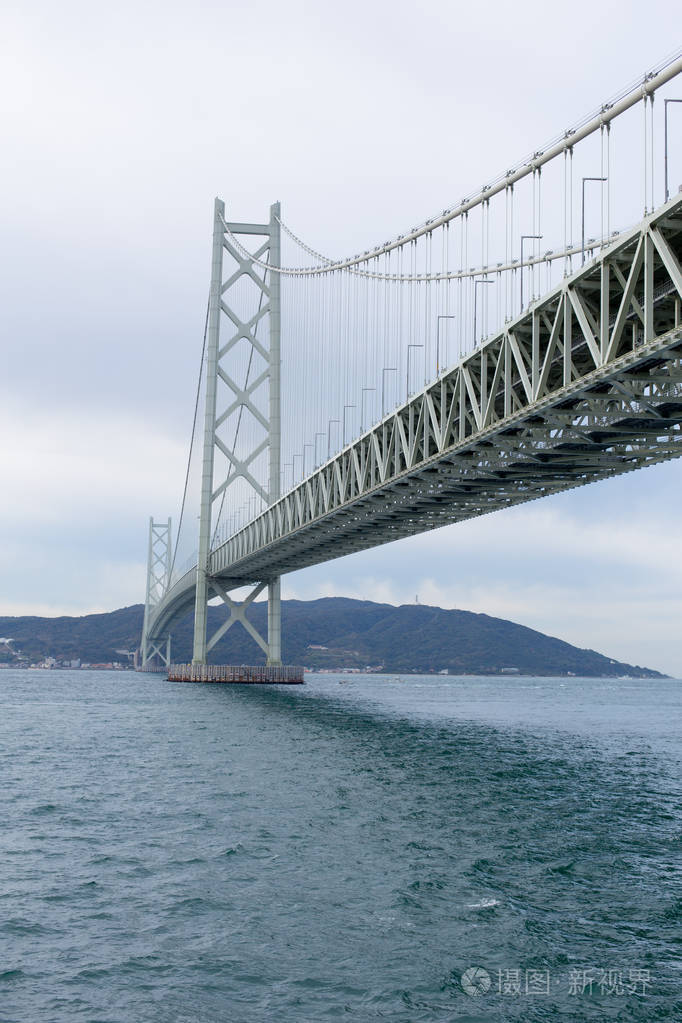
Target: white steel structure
x,y
227,396
586,385
158,581
582,383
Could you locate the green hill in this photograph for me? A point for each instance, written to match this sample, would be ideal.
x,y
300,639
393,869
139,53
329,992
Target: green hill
x,y
333,632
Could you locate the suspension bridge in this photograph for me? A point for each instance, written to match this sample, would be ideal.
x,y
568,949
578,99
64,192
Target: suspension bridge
x,y
456,369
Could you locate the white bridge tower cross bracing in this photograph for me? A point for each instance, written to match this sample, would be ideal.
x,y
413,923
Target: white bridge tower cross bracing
x,y
230,326
158,581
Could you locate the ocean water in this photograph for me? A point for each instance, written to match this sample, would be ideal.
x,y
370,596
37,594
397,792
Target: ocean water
x,y
359,848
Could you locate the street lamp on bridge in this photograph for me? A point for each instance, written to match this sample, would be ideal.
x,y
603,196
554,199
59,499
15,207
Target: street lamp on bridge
x,y
312,448
329,436
407,375
385,370
362,405
344,421
525,237
316,436
483,280
583,216
443,316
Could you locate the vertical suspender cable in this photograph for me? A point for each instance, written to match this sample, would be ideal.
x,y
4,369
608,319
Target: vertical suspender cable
x,y
646,164
601,172
390,344
565,212
466,263
538,232
460,286
608,181
570,205
512,266
487,257
427,308
651,141
535,231
446,357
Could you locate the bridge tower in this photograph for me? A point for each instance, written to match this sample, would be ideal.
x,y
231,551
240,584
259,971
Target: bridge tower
x,y
158,580
242,301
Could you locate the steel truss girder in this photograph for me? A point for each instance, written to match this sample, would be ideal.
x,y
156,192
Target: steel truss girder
x,y
584,385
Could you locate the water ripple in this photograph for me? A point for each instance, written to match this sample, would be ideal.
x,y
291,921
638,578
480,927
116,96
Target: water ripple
x,y
229,854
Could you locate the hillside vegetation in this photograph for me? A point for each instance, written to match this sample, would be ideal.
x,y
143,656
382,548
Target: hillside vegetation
x,y
333,632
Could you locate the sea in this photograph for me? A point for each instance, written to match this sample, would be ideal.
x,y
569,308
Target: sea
x,y
362,848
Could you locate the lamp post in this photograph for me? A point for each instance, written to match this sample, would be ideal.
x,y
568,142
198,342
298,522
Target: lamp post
x,y
312,448
525,237
444,316
344,421
665,136
385,370
316,436
483,280
583,216
362,405
407,375
293,463
329,436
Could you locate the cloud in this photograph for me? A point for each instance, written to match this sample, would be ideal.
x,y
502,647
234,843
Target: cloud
x,y
54,467
74,589
77,493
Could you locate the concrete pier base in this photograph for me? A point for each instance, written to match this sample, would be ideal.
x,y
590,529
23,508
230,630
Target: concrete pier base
x,y
271,674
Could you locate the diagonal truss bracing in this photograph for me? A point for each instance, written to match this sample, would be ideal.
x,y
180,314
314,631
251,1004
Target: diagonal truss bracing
x,y
158,580
242,427
585,385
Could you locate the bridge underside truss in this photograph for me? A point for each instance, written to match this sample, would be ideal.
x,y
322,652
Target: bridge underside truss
x,y
585,385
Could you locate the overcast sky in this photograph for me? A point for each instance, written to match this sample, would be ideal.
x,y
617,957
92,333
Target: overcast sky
x,y
120,123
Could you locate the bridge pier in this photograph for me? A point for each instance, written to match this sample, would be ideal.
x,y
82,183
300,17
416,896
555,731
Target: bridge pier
x,y
200,618
274,675
274,623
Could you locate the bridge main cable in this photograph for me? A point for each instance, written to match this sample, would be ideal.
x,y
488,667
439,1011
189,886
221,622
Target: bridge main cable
x,y
608,112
